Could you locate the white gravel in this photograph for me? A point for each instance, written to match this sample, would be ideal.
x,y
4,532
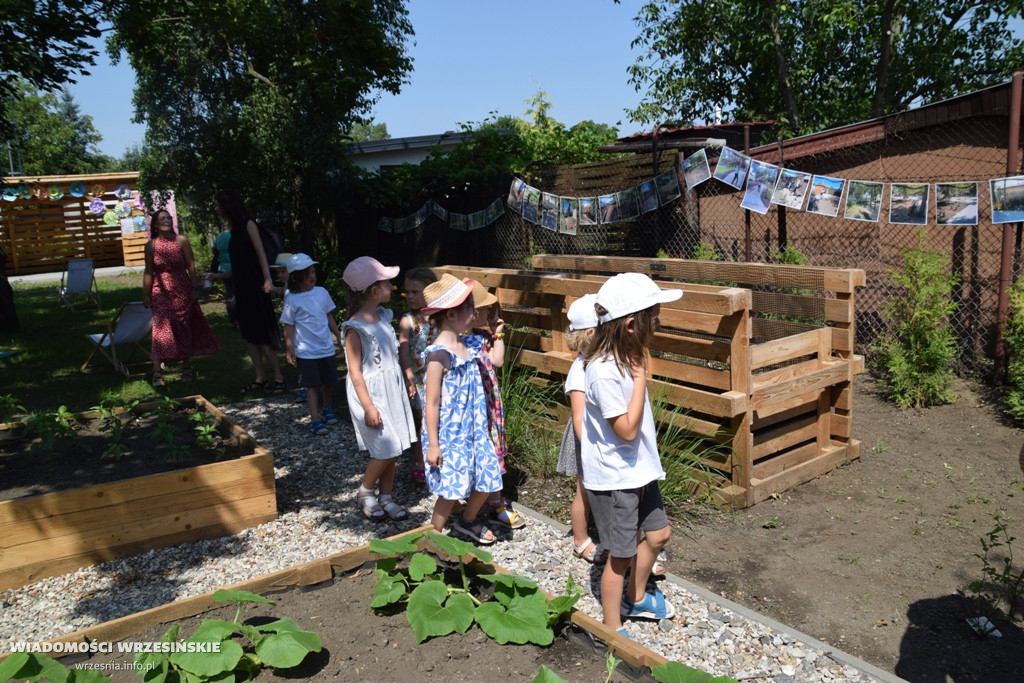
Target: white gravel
x,y
317,477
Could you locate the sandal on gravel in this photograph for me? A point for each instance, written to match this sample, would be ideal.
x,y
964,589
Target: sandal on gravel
x,y
257,385
478,532
158,379
623,632
659,565
393,510
507,517
594,556
653,606
328,416
371,508
279,387
300,396
318,428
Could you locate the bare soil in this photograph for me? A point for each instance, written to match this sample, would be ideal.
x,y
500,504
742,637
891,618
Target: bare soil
x,y
365,646
873,557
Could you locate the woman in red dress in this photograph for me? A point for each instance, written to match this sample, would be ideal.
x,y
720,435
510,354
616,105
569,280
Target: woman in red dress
x,y
169,286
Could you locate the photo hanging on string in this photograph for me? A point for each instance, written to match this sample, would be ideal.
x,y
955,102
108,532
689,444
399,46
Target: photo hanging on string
x,y
908,203
515,195
608,208
629,204
956,203
1007,199
695,169
760,185
439,211
826,195
668,186
459,221
791,188
732,167
385,224
863,201
588,210
531,204
568,215
648,195
549,211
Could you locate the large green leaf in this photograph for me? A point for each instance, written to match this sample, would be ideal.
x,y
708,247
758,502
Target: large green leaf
x,y
209,663
421,565
389,590
288,648
432,613
32,666
546,675
521,623
214,630
404,545
225,595
454,546
76,675
508,586
677,672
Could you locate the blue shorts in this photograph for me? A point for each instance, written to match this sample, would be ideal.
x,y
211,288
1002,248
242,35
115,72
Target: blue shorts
x,y
317,372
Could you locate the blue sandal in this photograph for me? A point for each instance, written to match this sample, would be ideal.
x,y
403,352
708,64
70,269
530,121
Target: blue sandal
x,y
653,606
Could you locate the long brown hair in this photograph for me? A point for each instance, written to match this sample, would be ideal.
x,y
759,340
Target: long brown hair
x,y
614,338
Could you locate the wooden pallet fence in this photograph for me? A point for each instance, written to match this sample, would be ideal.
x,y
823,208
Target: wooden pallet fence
x,y
770,413
55,533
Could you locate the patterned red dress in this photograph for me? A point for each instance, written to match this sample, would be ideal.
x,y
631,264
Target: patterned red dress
x,y
180,329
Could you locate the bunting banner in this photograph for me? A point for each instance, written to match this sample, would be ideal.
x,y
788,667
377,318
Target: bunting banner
x,y
456,221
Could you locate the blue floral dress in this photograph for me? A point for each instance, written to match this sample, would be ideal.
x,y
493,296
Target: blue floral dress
x,y
469,462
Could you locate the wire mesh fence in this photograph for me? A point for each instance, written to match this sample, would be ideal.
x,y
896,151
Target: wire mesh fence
x,y
708,221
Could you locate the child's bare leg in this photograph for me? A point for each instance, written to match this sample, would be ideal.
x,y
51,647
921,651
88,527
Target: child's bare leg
x,y
328,392
312,402
387,477
612,580
579,511
442,509
374,470
474,503
646,555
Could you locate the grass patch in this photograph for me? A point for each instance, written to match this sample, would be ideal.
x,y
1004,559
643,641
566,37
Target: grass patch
x,y
47,372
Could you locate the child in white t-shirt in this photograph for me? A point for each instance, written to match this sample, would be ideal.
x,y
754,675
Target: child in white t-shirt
x,y
619,453
309,334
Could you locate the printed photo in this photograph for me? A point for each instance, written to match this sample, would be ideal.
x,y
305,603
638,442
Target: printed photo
x,y
549,211
477,220
668,186
568,217
791,188
423,214
439,211
732,167
1007,199
385,224
956,203
459,221
695,169
648,196
760,185
608,208
531,204
629,204
863,201
495,210
826,193
908,203
588,210
515,195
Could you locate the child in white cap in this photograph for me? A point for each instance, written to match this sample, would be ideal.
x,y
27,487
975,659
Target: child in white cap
x,y
309,334
377,397
619,454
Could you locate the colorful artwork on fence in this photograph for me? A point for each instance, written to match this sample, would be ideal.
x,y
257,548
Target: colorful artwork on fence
x,y
549,211
568,216
608,208
531,204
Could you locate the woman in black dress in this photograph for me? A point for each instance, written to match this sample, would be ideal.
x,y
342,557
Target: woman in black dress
x,y
250,274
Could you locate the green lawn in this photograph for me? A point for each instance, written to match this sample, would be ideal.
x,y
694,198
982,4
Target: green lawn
x,y
47,372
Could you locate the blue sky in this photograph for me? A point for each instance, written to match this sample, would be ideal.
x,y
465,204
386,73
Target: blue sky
x,y
471,57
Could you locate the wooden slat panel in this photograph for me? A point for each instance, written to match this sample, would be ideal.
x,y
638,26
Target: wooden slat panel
x,y
788,348
789,381
782,437
781,463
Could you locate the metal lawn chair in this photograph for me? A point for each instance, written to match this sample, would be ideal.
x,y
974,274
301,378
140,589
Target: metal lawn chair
x,y
78,280
132,323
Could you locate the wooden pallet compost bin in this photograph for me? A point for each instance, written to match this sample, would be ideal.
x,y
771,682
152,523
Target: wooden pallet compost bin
x,y
58,532
770,400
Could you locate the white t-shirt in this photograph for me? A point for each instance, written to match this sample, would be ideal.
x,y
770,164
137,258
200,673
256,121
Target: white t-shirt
x,y
575,379
308,312
609,463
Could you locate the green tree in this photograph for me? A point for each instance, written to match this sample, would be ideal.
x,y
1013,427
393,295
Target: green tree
x,y
366,131
46,44
257,94
814,64
52,134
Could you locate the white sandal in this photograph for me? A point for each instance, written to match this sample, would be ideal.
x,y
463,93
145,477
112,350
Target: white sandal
x,y
393,510
595,556
371,508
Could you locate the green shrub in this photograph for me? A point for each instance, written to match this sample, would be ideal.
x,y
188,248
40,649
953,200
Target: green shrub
x,y
915,356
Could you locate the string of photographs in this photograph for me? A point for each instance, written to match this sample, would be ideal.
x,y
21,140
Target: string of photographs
x,y
456,221
764,184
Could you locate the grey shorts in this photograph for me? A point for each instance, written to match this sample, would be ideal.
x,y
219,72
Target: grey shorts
x,y
619,515
317,372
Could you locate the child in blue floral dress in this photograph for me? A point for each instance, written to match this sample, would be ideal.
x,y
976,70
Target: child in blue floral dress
x,y
457,442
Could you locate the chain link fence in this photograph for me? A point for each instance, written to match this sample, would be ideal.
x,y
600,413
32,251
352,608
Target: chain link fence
x,y
709,217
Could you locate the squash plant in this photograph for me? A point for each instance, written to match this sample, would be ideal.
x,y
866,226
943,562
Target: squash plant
x,y
516,612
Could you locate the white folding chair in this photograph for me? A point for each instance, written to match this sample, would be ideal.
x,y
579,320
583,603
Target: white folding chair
x,y
131,324
79,278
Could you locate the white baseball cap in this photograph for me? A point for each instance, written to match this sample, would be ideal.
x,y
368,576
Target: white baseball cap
x,y
299,262
582,315
627,293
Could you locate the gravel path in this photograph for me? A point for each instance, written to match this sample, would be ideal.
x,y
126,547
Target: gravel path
x,y
317,477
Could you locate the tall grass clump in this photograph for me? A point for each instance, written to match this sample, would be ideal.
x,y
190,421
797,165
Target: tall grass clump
x,y
1014,336
527,401
685,457
914,356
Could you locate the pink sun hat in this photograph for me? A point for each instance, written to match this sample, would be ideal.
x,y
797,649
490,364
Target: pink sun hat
x,y
365,271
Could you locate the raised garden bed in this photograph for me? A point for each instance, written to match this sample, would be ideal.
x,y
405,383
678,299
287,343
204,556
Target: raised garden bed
x,y
158,489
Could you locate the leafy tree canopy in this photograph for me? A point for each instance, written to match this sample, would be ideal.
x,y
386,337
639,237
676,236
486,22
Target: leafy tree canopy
x,y
815,64
366,131
45,44
257,94
52,136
